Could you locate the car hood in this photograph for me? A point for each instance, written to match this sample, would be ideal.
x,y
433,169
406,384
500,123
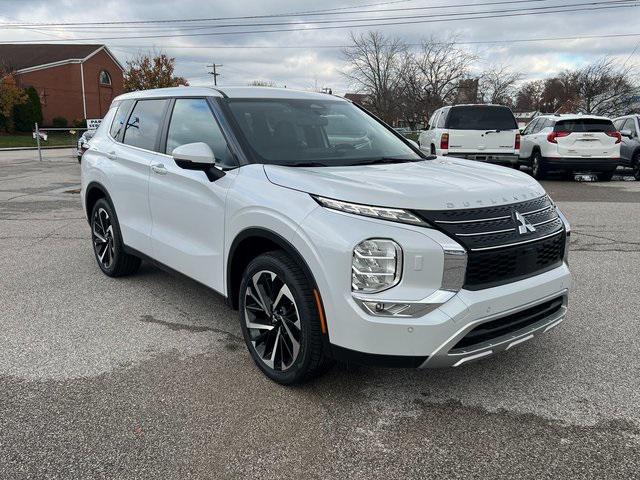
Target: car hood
x,y
439,184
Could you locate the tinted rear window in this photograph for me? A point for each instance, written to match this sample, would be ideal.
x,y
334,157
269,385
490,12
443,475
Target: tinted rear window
x,y
584,125
481,118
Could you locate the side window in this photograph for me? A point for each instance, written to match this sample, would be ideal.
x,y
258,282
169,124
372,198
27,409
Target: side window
x,y
618,124
531,127
443,118
193,121
434,120
144,123
630,125
117,127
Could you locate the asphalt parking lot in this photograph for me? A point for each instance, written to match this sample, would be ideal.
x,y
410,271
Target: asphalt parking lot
x,y
148,377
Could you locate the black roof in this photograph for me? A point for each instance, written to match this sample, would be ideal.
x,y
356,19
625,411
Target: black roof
x,y
19,56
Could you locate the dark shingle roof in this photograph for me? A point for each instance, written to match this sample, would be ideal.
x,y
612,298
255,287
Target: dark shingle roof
x,y
19,56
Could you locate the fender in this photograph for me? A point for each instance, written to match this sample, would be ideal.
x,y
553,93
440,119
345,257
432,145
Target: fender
x,y
271,236
90,188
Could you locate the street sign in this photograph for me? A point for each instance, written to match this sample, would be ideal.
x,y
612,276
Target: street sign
x,y
93,123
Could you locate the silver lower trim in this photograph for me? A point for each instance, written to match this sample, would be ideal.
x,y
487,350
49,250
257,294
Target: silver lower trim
x,y
442,356
415,309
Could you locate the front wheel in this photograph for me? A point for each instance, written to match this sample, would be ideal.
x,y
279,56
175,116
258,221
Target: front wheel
x,y
280,320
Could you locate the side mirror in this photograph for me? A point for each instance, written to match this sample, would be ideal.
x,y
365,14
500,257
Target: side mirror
x,y
199,153
626,133
198,156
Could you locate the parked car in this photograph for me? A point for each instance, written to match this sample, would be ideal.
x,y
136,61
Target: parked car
x,y
372,252
571,143
488,133
629,128
83,143
403,130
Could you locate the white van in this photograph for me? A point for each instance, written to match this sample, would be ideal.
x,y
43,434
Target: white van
x,y
488,133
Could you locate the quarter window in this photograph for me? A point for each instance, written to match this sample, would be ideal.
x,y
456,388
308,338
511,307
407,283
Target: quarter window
x,y
443,118
144,124
117,127
192,121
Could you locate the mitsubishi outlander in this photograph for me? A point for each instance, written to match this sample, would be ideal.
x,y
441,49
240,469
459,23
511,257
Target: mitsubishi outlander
x,y
333,236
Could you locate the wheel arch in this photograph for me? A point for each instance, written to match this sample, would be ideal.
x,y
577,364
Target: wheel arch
x,y
246,246
94,192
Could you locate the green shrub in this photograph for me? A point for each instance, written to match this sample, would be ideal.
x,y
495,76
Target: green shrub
x,y
25,115
60,122
79,123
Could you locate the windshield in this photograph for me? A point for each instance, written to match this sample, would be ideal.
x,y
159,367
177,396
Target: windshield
x,y
315,133
481,117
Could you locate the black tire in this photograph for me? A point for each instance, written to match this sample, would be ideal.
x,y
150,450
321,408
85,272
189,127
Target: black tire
x,y
538,167
310,359
107,242
605,176
635,164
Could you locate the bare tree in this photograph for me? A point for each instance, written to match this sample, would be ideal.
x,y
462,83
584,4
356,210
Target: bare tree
x,y
498,85
604,88
441,65
373,67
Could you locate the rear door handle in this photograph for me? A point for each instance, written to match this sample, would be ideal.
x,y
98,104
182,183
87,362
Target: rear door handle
x,y
111,155
159,168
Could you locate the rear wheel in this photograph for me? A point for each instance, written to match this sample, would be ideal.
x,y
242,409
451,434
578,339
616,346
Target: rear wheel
x,y
635,164
280,320
107,242
538,168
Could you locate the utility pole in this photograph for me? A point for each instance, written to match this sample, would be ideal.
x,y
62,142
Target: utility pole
x,y
215,73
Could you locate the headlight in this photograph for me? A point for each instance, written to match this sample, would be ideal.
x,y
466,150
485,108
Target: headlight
x,y
376,265
392,214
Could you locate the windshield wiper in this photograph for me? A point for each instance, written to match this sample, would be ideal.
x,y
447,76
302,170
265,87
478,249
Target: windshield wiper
x,y
382,160
307,164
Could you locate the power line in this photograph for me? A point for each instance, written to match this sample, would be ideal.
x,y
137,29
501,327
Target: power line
x,y
587,7
469,42
280,15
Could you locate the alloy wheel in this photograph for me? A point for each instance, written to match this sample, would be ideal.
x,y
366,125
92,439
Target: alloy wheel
x,y
536,165
272,320
636,169
102,236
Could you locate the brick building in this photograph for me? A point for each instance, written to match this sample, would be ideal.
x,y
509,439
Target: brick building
x,y
74,81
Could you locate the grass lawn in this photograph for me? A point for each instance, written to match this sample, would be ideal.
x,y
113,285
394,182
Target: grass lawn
x,y
27,140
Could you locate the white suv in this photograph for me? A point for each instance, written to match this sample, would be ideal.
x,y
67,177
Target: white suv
x,y
332,235
488,133
571,143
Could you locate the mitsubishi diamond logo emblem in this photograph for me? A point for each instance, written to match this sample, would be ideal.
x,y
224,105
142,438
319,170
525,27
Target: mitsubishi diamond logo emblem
x,y
524,225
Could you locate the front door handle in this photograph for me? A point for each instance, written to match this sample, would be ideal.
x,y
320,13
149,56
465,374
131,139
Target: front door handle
x,y
159,168
111,155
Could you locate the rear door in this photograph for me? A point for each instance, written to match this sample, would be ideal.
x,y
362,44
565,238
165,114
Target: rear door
x,y
131,154
481,129
586,138
526,142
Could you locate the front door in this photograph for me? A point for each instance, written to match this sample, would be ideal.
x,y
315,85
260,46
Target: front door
x,y
188,209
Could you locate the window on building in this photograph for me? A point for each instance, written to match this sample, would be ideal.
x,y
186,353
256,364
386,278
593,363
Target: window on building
x,y
144,124
105,78
192,122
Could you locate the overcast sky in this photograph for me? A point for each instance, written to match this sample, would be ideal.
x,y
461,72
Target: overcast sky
x,y
311,67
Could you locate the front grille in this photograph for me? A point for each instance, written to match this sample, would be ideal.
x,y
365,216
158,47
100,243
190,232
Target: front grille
x,y
498,252
509,324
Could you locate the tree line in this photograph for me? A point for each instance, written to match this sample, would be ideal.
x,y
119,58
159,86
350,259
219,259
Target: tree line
x,y
404,84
